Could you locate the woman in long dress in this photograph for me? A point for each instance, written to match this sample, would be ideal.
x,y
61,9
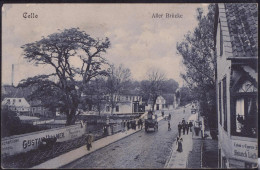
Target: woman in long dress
x,y
179,142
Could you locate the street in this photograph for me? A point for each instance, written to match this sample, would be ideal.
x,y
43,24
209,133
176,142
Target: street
x,y
140,150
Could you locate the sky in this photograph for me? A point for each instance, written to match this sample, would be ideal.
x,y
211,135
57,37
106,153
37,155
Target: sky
x,y
138,41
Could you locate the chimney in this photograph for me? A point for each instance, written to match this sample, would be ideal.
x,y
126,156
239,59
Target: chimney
x,y
12,74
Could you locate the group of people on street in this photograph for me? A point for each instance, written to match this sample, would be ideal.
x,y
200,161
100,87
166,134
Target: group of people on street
x,y
185,127
131,124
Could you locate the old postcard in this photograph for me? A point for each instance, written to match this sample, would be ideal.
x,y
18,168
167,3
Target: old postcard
x,y
170,85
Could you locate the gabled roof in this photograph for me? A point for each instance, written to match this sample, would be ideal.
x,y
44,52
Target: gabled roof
x,y
239,24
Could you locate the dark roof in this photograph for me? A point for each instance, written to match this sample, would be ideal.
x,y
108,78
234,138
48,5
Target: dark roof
x,y
11,91
242,21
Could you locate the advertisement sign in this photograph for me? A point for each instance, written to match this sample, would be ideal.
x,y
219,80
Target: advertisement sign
x,y
245,150
26,142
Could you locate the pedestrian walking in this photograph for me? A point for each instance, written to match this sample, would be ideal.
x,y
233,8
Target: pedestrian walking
x,y
187,127
128,125
183,111
190,125
183,121
169,125
141,122
183,128
89,139
179,128
179,143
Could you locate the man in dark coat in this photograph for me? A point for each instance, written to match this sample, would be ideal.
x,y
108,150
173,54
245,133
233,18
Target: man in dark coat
x,y
128,125
187,127
183,127
179,128
190,125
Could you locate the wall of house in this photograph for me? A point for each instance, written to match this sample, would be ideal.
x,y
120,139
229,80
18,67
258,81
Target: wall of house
x,y
124,108
223,70
159,101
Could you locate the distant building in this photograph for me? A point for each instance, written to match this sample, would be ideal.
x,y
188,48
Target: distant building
x,y
237,45
19,105
159,105
37,109
163,102
126,104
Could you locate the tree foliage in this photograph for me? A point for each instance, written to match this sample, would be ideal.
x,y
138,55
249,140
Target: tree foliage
x,y
118,83
58,51
153,86
96,90
199,60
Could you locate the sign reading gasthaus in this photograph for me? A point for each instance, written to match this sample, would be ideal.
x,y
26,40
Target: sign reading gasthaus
x,y
26,142
244,150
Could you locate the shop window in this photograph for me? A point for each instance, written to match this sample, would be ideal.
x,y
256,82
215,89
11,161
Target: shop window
x,y
219,103
117,108
225,102
250,165
245,111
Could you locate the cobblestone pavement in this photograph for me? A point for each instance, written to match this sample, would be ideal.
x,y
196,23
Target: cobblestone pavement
x,y
140,150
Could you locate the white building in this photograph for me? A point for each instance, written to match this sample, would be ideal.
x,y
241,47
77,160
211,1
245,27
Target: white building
x,y
125,104
19,105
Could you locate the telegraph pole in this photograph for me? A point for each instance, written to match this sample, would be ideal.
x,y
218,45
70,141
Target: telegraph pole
x,y
12,75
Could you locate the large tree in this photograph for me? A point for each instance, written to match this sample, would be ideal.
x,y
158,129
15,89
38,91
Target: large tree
x,y
117,84
96,90
153,86
58,51
199,60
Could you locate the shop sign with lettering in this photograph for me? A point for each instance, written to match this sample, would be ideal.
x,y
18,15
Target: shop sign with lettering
x,y
26,142
245,150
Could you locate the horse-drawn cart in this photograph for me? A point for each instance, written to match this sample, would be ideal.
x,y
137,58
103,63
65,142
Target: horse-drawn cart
x,y
150,122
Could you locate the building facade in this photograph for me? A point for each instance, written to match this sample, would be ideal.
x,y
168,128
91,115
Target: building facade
x,y
38,110
125,104
160,104
19,105
236,84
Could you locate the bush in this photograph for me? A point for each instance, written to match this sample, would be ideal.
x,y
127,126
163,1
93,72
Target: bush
x,y
11,124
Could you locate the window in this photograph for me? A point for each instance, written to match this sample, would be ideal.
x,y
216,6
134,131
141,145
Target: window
x,y
225,102
221,40
244,121
107,108
117,108
126,97
219,103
